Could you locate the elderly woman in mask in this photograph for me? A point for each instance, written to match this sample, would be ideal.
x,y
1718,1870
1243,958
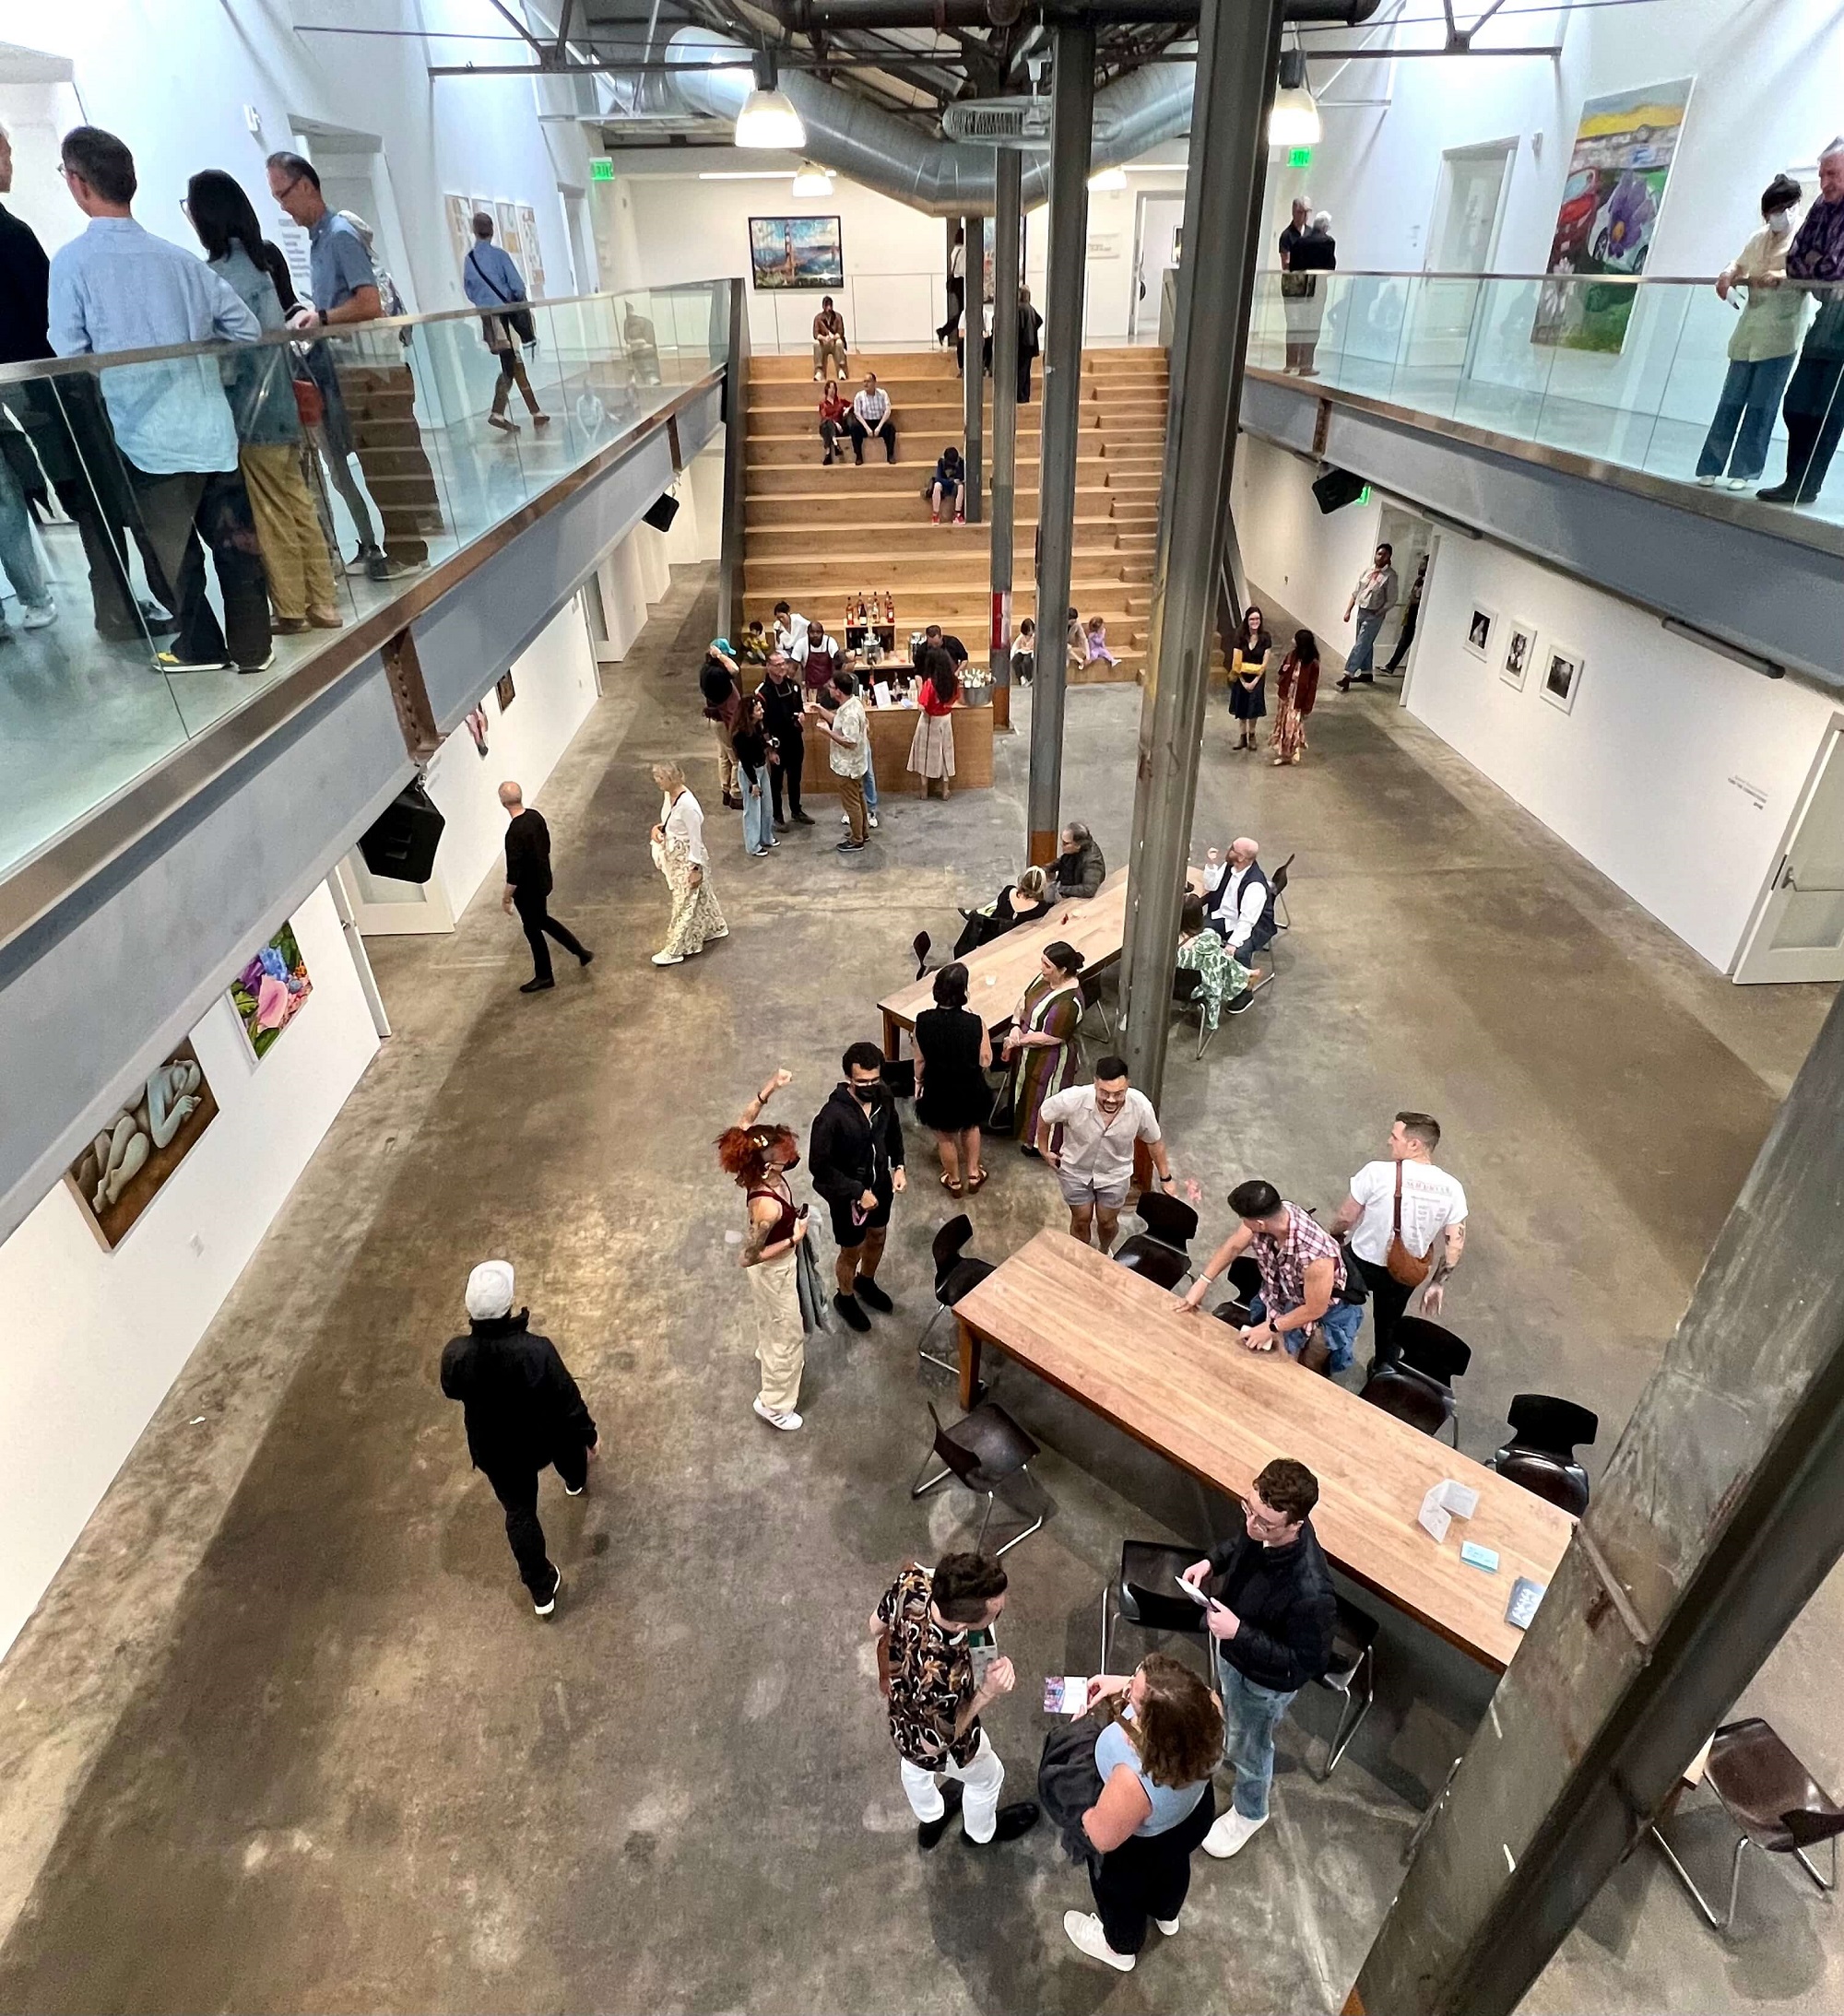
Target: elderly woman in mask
x,y
1761,346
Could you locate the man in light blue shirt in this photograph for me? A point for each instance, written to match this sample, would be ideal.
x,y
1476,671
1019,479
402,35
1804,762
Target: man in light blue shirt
x,y
119,287
492,281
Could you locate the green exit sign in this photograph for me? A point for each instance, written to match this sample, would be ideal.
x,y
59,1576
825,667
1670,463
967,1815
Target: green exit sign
x,y
1299,157
1363,495
603,169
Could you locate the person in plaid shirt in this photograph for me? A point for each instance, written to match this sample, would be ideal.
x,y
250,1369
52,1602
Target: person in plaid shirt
x,y
1303,1275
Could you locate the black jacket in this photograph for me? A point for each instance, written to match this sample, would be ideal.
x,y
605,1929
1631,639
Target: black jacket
x,y
781,716
1081,874
24,290
849,1152
521,1405
528,854
1283,1597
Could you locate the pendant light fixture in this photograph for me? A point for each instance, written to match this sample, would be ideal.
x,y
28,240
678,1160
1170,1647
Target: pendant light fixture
x,y
1294,119
811,180
768,118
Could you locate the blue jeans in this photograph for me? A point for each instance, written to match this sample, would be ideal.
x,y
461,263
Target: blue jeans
x,y
757,830
1369,622
870,782
1751,397
1249,1716
17,554
1339,1326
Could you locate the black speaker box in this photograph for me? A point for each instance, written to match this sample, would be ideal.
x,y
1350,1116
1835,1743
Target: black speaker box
x,y
660,514
1338,487
402,842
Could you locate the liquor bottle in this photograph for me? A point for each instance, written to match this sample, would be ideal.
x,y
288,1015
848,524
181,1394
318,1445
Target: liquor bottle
x,y
861,606
848,618
889,610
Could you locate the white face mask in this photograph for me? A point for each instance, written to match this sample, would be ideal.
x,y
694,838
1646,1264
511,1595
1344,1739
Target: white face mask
x,y
1780,223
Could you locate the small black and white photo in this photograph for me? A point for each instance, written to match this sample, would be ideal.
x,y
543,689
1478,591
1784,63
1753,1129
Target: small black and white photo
x,y
1562,676
1521,651
1481,627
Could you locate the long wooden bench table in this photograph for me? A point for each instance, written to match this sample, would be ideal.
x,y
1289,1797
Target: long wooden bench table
x,y
1185,1387
998,973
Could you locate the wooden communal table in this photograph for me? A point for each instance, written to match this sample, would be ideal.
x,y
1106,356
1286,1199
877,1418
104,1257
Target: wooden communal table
x,y
1185,1385
998,973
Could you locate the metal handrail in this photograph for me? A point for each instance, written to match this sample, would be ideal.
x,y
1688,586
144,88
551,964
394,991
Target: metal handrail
x,y
1572,279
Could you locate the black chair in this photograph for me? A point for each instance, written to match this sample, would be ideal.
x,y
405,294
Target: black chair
x,y
1541,1452
1090,985
1422,1403
1351,1675
1437,1355
955,1273
1277,884
1773,1801
1159,1252
1245,1277
1187,992
1144,1593
920,948
1237,1313
983,1450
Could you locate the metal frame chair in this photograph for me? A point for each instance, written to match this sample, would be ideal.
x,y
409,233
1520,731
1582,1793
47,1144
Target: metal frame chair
x,y
1541,1452
982,1451
1089,986
1136,1593
1277,882
1159,1251
920,947
1187,992
955,1273
1353,1667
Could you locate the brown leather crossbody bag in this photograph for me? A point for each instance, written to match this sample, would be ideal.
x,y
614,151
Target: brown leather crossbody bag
x,y
1398,1262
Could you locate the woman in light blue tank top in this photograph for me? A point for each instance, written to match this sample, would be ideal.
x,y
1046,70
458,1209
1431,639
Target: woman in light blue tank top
x,y
1155,1760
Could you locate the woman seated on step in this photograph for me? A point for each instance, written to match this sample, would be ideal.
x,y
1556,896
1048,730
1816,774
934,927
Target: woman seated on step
x,y
833,406
944,488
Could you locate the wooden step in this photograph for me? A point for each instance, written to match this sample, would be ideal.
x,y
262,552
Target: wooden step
x,y
917,534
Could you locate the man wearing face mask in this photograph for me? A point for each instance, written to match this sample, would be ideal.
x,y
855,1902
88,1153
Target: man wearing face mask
x,y
1814,411
1761,349
856,1155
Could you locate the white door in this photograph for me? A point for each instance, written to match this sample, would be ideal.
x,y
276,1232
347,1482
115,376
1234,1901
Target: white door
x,y
1463,238
1161,219
1799,927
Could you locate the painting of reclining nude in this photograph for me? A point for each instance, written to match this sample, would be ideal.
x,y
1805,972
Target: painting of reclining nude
x,y
139,1146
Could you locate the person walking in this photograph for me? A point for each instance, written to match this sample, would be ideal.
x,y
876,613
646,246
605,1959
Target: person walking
x,y
1270,1617
775,1256
678,853
953,1053
720,685
1039,1050
931,749
847,728
1249,676
1814,408
1411,615
828,341
957,287
750,745
1296,690
1088,1135
1399,1210
1300,1306
872,420
376,388
938,1670
854,1154
119,287
261,390
525,1415
490,280
1371,600
783,720
528,887
1154,1756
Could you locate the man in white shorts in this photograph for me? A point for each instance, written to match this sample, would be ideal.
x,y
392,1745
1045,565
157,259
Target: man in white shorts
x,y
1404,1197
1100,1124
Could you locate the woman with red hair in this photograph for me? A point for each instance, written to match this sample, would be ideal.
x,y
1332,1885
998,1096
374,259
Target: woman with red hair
x,y
759,1158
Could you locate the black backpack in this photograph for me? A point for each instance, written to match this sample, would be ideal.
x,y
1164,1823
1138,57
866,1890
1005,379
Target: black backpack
x,y
715,683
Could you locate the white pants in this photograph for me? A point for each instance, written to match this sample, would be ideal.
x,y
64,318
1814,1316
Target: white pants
x,y
982,1779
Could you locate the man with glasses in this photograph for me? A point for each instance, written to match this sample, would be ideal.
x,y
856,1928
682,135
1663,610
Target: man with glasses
x,y
1100,1124
1270,1614
375,384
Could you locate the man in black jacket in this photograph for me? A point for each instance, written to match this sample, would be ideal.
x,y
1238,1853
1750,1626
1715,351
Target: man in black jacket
x,y
1080,869
523,1413
784,718
528,888
854,1154
1272,1615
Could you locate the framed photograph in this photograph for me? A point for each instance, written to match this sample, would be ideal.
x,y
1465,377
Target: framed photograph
x,y
269,992
507,231
1481,627
534,251
507,691
140,1146
460,215
1520,653
789,253
1562,675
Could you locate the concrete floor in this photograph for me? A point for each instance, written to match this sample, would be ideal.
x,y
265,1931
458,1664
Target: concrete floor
x,y
285,1735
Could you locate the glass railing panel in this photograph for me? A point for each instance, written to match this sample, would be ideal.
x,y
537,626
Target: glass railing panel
x,y
1507,374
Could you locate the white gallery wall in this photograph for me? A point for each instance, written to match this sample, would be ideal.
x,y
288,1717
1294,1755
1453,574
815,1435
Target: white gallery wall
x,y
1675,773
96,1339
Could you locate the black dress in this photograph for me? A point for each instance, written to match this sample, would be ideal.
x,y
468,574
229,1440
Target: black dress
x,y
955,1091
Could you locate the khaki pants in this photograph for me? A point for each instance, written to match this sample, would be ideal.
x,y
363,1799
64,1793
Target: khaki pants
x,y
512,373
780,1340
832,348
727,760
852,803
287,530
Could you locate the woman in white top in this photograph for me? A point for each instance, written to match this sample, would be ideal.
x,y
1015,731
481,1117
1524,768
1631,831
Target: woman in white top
x,y
678,853
1761,348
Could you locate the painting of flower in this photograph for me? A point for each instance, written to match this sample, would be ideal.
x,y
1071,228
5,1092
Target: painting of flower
x,y
268,992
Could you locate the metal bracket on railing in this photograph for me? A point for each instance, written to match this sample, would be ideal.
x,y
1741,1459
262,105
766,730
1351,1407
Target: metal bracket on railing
x,y
409,696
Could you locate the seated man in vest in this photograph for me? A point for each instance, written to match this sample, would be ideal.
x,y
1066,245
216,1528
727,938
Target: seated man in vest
x,y
1239,906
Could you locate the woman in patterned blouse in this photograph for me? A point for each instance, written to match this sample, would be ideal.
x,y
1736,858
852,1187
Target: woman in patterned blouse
x,y
1221,976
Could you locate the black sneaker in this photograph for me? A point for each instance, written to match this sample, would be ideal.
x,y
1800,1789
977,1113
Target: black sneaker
x,y
867,1291
802,819
849,846
848,1308
585,955
1781,493
930,1830
1014,1820
267,663
1240,1004
537,986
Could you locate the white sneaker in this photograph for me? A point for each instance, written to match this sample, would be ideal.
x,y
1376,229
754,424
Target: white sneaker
x,y
35,616
870,820
550,1603
1706,482
786,1422
1087,1937
1741,482
669,959
1169,1926
844,818
1230,1833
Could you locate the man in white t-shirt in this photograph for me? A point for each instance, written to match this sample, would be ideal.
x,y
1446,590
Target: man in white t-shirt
x,y
1100,1123
1432,1219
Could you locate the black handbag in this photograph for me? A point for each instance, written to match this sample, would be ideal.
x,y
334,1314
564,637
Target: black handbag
x,y
519,321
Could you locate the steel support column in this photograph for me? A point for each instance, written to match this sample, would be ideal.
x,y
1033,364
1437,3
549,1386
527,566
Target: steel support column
x,y
1005,269
973,324
736,466
1238,47
1072,120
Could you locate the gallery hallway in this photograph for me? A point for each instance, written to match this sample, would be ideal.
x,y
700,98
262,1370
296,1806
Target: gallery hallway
x,y
285,1734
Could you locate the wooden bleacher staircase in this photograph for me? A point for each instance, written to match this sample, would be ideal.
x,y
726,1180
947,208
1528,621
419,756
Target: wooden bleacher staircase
x,y
815,535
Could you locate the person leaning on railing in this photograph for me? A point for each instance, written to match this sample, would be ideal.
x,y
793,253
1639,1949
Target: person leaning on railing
x,y
1761,349
1815,401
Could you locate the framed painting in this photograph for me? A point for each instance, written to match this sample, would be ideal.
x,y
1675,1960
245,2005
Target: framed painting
x,y
789,253
1520,653
1562,676
1481,627
534,251
270,991
138,1149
